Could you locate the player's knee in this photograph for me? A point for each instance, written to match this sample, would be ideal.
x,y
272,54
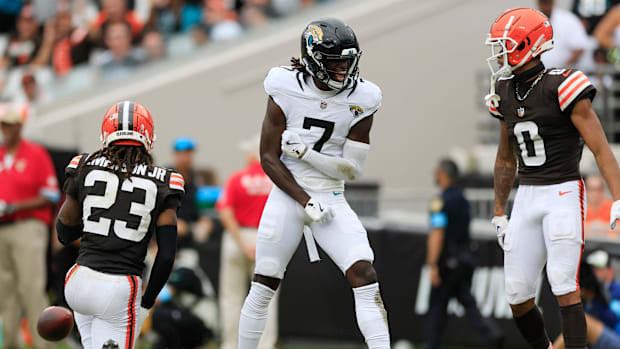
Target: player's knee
x,y
563,280
361,273
269,267
518,290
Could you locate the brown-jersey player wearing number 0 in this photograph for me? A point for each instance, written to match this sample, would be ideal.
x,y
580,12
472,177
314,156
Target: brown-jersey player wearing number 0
x,y
116,200
545,115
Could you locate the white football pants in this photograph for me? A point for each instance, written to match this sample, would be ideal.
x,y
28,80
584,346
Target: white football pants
x,y
546,226
105,306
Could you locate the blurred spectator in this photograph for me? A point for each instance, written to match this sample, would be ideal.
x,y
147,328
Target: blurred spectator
x,y
189,215
120,58
25,42
601,298
599,205
83,12
200,34
174,317
221,21
606,32
63,46
153,47
569,36
28,190
592,11
254,14
450,260
191,14
8,14
165,16
115,11
240,208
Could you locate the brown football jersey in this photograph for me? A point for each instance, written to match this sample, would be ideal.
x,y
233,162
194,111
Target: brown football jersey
x,y
548,144
119,214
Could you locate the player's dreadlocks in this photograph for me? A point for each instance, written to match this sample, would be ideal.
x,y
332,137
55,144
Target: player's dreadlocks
x,y
123,156
297,65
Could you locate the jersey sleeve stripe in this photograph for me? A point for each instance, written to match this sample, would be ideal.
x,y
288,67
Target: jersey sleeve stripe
x,y
574,93
75,161
566,84
574,82
177,186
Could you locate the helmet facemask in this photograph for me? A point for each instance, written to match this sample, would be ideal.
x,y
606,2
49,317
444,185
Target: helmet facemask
x,y
315,62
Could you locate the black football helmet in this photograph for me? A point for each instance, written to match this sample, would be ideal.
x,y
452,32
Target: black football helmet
x,y
330,39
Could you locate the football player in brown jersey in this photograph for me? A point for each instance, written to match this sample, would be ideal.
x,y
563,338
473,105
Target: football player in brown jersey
x,y
545,116
115,200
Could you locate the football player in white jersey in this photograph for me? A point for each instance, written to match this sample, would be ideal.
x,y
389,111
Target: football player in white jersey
x,y
314,137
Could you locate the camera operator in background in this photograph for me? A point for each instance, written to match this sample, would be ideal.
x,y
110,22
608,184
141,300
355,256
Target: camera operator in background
x,y
600,295
450,259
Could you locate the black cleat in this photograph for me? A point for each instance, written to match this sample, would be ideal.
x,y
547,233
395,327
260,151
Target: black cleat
x,y
110,344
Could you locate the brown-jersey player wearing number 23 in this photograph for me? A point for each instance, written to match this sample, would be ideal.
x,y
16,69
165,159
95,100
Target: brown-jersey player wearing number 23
x,y
116,200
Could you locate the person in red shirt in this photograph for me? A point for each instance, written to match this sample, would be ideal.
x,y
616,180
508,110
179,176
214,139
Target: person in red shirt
x,y
240,207
28,191
599,205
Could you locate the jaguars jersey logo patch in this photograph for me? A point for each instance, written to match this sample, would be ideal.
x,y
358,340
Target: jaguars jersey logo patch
x,y
314,34
356,110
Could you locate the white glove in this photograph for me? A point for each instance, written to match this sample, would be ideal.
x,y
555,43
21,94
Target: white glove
x,y
501,226
292,144
319,212
142,315
614,214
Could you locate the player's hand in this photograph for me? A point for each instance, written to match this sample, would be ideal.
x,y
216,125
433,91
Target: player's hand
x,y
292,144
501,226
142,315
614,214
318,212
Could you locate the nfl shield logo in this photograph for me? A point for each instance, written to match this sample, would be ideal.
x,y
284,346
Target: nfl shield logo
x,y
323,104
520,112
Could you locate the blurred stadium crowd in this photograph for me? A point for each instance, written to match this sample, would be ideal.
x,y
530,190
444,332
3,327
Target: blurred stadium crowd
x,y
54,48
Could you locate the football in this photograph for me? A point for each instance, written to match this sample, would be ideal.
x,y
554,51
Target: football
x,y
55,323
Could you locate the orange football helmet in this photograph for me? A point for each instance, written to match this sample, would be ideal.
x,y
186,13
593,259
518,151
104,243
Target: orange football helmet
x,y
128,123
517,36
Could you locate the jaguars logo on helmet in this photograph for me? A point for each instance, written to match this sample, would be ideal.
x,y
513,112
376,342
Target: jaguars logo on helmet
x,y
330,39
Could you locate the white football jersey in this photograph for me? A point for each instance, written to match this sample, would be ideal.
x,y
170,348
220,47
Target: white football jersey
x,y
322,119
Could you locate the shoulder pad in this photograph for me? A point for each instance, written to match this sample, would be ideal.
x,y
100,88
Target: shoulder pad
x,y
281,80
573,82
75,163
367,97
176,181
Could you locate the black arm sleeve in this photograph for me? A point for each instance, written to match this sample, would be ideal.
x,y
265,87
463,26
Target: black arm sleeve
x,y
67,233
164,260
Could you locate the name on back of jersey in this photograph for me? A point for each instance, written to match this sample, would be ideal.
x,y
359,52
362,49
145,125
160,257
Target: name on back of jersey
x,y
139,170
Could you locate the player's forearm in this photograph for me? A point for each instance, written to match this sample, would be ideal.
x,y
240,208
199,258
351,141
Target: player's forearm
x,y
608,166
503,179
332,166
227,217
283,179
164,261
434,246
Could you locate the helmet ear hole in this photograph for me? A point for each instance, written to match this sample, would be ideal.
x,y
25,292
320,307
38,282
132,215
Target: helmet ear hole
x,y
521,46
